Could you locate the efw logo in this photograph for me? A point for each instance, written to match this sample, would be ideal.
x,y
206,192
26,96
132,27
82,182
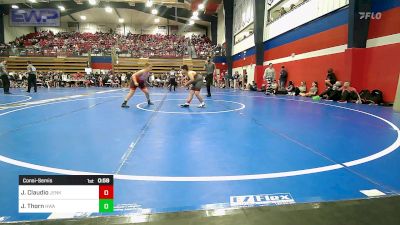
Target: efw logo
x,y
46,17
368,15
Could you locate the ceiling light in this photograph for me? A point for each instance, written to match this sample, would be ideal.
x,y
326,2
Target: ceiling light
x,y
83,17
92,2
156,20
108,9
191,22
195,13
149,3
62,8
154,11
32,1
121,20
201,6
15,7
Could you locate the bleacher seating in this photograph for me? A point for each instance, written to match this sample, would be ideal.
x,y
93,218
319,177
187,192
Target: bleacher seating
x,y
46,64
46,43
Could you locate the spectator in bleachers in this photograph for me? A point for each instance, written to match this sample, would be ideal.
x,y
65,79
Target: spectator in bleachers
x,y
137,45
282,11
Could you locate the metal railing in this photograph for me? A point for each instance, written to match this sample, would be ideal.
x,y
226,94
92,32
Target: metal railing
x,y
27,52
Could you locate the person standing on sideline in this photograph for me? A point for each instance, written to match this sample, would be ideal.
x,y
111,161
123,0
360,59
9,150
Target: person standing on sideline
x,y
4,77
31,77
123,80
283,78
210,68
172,79
236,80
269,76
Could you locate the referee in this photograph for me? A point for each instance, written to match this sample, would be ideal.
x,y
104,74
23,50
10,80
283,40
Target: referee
x,y
210,68
4,77
172,79
31,77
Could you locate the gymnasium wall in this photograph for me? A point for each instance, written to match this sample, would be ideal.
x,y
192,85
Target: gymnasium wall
x,y
220,64
318,28
379,64
10,33
311,48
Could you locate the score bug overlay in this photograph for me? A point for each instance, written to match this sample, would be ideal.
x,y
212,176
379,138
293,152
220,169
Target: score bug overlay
x,y
66,193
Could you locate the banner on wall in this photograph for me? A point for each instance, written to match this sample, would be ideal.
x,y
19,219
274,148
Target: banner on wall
x,y
35,17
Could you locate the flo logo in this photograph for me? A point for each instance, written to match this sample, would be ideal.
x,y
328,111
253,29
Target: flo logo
x,y
370,15
263,199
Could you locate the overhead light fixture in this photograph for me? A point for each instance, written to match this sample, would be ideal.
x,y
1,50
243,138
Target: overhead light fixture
x,y
191,22
200,6
93,2
15,7
195,13
83,17
62,8
108,9
32,1
156,20
121,20
149,3
154,11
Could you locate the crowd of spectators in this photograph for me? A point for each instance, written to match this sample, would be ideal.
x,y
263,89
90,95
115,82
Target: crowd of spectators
x,y
334,90
3,48
54,79
130,45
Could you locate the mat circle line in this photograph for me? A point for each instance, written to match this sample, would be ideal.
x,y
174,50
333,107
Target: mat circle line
x,y
24,100
363,160
242,106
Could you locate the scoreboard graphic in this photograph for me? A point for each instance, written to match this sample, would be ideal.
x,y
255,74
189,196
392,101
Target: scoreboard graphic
x,y
66,193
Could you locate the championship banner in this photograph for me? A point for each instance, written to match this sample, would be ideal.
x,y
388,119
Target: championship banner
x,y
35,17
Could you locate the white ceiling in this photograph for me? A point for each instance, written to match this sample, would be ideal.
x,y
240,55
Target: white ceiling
x,y
131,16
